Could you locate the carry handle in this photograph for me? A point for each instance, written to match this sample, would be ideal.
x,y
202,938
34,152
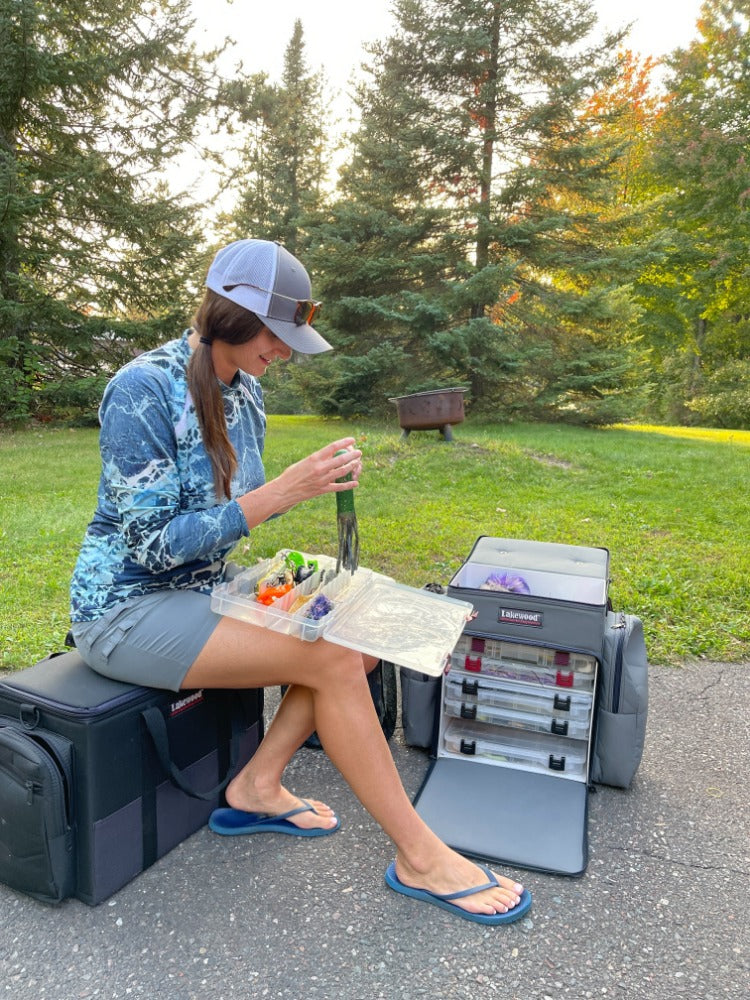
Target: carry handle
x,y
157,728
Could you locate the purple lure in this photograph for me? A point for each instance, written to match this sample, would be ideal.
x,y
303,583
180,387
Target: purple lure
x,y
319,607
506,582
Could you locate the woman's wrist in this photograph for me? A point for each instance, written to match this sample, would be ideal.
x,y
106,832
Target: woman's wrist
x,y
261,503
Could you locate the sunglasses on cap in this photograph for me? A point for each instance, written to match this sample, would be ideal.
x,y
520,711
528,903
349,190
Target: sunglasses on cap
x,y
306,311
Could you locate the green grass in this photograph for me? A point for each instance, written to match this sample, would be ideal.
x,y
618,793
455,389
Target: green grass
x,y
671,509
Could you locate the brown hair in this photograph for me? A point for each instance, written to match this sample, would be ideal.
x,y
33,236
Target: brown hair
x,y
217,319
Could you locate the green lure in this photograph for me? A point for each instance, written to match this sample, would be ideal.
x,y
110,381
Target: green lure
x,y
348,531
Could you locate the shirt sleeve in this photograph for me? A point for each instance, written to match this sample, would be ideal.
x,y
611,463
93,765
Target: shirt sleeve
x,y
143,482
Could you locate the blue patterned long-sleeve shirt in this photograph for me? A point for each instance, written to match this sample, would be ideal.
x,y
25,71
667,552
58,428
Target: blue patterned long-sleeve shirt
x,y
158,522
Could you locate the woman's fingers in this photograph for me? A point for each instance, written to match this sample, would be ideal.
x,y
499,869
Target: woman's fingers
x,y
319,472
345,460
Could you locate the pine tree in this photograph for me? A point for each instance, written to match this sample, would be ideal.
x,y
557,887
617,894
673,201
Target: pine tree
x,y
95,254
454,237
282,167
694,294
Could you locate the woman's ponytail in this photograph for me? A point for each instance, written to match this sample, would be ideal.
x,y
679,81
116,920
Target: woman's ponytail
x,y
217,319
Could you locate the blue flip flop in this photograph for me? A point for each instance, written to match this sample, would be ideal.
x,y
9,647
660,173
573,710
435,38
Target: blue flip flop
x,y
445,900
233,822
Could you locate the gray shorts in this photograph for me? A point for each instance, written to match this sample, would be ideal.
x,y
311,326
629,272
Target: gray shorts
x,y
151,640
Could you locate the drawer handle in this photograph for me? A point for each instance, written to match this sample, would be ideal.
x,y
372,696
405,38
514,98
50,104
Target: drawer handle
x,y
559,727
562,704
556,763
469,747
468,711
469,687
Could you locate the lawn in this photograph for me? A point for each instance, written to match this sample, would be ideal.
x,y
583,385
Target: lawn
x,y
670,508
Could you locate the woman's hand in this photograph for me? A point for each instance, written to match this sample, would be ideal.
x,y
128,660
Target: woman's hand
x,y
319,472
308,478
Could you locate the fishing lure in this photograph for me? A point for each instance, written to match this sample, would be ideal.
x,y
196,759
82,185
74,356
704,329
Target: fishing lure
x,y
506,582
320,606
348,530
268,595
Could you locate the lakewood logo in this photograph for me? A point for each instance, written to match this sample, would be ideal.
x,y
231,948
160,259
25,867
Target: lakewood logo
x,y
185,703
510,616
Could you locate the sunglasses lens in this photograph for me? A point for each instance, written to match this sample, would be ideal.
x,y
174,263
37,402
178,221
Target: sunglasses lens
x,y
306,311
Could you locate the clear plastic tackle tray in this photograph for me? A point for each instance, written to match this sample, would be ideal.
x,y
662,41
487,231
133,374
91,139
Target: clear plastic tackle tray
x,y
541,656
371,613
556,677
513,719
512,748
519,696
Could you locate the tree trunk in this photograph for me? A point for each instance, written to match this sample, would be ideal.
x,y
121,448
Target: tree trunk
x,y
489,122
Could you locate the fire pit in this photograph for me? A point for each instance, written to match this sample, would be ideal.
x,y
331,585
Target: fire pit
x,y
437,409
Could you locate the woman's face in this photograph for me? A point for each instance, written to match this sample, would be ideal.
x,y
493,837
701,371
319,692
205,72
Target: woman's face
x,y
253,357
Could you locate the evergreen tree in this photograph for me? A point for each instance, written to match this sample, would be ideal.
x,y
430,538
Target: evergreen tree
x,y
455,240
279,174
696,289
282,166
95,254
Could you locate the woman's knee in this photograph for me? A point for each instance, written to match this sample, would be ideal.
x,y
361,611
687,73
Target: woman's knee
x,y
337,667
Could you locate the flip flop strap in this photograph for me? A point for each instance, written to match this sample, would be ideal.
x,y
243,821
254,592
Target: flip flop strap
x,y
448,896
306,807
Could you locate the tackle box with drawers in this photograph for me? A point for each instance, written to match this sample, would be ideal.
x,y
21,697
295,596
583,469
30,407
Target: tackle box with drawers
x,y
509,778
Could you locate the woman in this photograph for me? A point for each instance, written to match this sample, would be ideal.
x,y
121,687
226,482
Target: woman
x,y
182,431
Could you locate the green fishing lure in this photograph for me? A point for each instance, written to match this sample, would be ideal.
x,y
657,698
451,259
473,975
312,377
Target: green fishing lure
x,y
348,529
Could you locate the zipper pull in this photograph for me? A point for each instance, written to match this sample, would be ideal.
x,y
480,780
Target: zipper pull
x,y
31,787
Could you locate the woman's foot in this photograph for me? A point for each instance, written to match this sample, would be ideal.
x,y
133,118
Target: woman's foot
x,y
455,874
250,798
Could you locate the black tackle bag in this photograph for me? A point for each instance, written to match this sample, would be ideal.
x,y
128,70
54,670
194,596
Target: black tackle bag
x,y
99,779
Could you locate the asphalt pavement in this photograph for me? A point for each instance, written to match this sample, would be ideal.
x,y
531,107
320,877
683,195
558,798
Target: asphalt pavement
x,y
661,912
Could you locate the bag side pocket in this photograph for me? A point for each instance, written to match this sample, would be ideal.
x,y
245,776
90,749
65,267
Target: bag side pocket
x,y
623,702
37,834
420,694
617,752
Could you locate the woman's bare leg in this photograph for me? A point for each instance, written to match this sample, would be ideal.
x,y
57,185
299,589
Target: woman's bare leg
x,y
258,786
238,655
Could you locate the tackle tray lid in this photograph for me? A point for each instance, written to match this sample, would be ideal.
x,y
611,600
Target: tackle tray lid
x,y
416,629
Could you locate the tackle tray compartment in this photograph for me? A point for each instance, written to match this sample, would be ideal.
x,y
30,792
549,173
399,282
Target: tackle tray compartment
x,y
511,748
557,725
371,613
521,670
519,696
509,719
480,646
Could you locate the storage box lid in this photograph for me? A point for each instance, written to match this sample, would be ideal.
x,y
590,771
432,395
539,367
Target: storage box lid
x,y
546,557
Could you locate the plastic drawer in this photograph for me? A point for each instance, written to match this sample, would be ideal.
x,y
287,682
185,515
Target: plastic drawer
x,y
519,696
567,758
512,719
521,652
529,673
